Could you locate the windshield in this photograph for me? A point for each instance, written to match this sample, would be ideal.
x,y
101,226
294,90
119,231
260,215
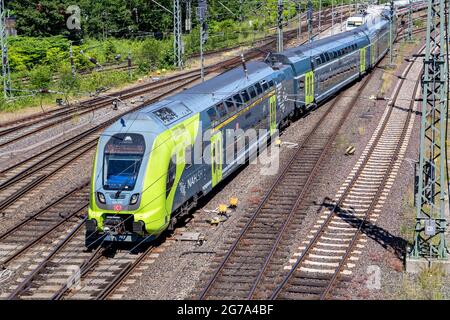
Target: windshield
x,y
122,161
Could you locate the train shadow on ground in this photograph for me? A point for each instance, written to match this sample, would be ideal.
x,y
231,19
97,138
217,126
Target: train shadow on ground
x,y
417,113
383,237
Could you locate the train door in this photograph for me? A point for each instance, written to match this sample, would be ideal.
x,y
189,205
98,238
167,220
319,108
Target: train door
x,y
373,54
309,88
273,114
216,158
362,67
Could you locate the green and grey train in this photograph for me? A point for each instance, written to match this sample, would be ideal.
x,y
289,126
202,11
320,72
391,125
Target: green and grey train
x,y
148,170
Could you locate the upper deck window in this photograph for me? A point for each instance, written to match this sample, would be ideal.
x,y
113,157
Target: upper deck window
x,y
238,100
259,89
265,85
230,105
245,96
212,114
252,92
222,110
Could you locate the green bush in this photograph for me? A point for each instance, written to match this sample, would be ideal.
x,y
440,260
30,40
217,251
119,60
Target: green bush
x,y
41,77
149,55
67,83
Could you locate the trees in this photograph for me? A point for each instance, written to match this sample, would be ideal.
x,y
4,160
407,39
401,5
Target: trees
x,y
39,18
117,18
98,18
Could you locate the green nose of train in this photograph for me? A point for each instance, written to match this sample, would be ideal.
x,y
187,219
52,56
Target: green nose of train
x,y
137,168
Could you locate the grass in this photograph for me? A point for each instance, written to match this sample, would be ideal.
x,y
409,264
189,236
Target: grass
x,y
409,216
426,285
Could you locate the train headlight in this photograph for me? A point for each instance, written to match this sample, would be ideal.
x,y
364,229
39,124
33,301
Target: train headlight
x,y
134,199
101,197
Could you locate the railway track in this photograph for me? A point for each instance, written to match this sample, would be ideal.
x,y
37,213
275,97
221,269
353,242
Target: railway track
x,y
341,231
250,269
47,249
34,229
281,211
68,271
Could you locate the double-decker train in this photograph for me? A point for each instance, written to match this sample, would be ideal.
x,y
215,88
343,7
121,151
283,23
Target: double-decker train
x,y
155,164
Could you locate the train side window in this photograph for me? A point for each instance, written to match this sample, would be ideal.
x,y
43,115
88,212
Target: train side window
x,y
171,174
259,89
238,100
212,114
245,96
222,110
271,83
252,92
230,105
265,85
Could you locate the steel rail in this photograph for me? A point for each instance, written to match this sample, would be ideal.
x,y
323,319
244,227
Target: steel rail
x,y
326,223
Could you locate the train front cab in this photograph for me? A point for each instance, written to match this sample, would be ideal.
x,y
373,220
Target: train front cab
x,y
141,211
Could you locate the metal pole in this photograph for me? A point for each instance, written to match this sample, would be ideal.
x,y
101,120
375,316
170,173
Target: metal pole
x,y
299,17
6,74
391,34
342,12
309,17
280,25
72,64
177,33
410,22
320,18
332,17
202,60
431,221
201,14
188,16
129,64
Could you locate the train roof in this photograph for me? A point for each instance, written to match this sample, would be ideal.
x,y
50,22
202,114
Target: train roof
x,y
300,57
170,111
221,87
